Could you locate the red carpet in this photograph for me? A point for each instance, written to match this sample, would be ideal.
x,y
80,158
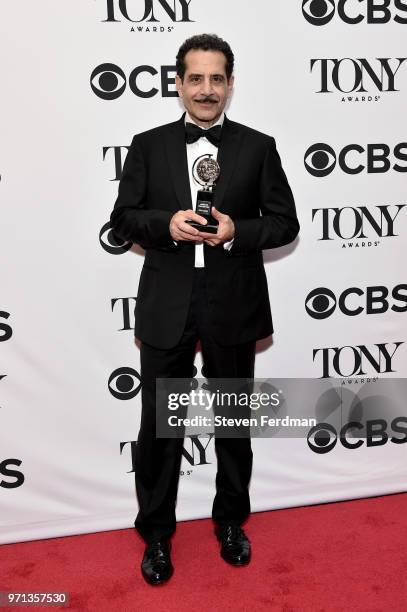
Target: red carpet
x,y
342,556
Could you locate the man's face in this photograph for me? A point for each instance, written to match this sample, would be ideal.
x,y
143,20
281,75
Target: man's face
x,y
205,88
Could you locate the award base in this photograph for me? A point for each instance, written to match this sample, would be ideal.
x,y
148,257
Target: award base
x,y
203,208
209,229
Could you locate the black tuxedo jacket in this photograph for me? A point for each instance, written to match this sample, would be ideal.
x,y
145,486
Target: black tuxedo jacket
x,y
252,189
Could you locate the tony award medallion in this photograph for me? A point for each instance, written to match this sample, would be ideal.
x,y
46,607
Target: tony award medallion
x,y
206,172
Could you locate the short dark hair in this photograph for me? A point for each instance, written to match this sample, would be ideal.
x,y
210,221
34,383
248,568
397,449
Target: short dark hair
x,y
206,42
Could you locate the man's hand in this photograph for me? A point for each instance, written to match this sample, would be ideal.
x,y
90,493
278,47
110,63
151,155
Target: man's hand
x,y
226,229
180,230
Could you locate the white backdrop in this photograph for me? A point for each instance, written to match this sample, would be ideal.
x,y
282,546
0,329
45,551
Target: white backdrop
x,y
69,415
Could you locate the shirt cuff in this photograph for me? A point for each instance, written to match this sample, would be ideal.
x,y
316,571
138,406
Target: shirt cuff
x,y
228,245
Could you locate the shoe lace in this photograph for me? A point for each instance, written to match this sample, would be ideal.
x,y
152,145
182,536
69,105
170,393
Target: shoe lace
x,y
236,531
233,532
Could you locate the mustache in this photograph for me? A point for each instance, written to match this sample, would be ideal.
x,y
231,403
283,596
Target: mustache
x,y
210,99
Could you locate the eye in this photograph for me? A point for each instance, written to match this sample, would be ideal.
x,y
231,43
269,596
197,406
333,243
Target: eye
x,y
124,383
320,303
109,243
108,81
322,438
318,12
320,159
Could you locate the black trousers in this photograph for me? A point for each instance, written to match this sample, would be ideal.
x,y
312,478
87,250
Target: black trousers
x,y
158,460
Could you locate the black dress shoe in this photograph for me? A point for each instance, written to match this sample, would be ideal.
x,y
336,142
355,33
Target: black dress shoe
x,y
235,547
156,566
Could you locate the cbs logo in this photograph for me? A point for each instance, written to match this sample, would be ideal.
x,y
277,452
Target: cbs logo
x,y
320,12
321,303
323,437
320,159
124,383
111,243
108,81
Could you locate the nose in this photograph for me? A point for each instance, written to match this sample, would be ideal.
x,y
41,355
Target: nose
x,y
207,86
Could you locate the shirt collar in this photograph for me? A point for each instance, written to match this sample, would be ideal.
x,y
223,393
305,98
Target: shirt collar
x,y
219,121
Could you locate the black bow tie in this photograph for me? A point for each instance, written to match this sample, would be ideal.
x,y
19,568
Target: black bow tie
x,y
193,132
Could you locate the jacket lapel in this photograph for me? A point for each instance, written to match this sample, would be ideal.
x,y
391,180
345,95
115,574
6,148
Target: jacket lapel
x,y
178,163
227,156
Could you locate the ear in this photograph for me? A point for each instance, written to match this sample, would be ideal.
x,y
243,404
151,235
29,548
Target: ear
x,y
231,83
178,84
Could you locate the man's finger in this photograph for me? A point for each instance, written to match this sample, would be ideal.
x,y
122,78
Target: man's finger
x,y
195,217
188,229
216,214
188,235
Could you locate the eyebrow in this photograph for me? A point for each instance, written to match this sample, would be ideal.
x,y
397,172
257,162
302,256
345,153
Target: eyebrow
x,y
197,74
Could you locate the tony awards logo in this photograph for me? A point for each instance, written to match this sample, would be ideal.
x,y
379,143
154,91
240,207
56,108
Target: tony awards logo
x,y
206,172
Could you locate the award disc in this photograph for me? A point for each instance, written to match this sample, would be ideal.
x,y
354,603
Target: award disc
x,y
206,170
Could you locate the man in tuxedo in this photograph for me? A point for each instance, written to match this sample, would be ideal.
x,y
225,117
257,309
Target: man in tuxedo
x,y
196,285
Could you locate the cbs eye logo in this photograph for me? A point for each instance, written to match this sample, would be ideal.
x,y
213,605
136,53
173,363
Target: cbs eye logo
x,y
108,81
124,383
318,12
320,303
109,243
320,159
322,438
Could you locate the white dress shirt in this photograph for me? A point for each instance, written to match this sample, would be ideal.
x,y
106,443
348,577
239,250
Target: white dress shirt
x,y
194,150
